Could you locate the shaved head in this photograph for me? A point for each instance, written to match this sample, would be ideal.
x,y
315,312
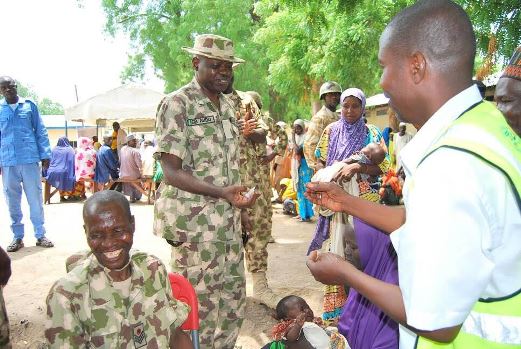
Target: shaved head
x,y
103,199
440,30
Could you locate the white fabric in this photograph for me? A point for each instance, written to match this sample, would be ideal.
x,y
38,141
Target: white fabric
x,y
315,335
327,174
495,328
461,240
13,106
399,143
121,140
147,157
129,101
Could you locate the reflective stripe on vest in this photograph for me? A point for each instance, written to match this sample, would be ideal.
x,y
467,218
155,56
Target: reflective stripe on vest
x,y
483,132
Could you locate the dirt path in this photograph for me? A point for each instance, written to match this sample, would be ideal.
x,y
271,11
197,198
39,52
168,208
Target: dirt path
x,y
35,269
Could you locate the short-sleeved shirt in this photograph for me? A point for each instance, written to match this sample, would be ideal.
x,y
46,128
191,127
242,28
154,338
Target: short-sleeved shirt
x,y
190,126
460,241
85,310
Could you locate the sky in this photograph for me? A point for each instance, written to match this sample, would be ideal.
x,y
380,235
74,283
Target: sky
x,y
57,45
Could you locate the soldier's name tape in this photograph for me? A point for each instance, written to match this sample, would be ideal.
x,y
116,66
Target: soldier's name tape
x,y
200,120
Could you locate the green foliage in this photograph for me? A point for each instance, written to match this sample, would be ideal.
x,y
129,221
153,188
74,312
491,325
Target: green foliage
x,y
291,46
45,105
499,17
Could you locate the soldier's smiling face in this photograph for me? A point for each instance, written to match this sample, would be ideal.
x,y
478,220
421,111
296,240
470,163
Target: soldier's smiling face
x,y
110,233
212,74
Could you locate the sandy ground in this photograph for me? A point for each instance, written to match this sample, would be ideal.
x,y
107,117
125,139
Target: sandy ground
x,y
35,269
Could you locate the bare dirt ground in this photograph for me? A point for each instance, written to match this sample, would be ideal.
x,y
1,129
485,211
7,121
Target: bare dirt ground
x,y
35,269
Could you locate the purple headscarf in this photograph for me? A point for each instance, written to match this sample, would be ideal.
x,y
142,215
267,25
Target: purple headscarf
x,y
344,140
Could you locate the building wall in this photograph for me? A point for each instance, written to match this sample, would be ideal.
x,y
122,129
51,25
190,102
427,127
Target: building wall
x,y
56,133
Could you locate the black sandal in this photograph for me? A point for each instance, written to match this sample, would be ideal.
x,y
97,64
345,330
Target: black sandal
x,y
15,245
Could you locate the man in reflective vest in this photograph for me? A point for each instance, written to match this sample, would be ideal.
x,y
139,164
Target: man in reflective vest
x,y
458,238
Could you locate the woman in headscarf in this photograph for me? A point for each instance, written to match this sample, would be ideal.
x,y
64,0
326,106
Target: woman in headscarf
x,y
85,160
301,173
61,171
363,324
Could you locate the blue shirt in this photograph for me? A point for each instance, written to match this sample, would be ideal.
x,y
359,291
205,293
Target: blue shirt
x,y
106,164
23,137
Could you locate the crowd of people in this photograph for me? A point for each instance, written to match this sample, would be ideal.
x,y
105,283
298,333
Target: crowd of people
x,y
70,169
410,255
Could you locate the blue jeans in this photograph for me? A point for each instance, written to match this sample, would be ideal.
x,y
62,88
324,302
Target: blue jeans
x,y
12,178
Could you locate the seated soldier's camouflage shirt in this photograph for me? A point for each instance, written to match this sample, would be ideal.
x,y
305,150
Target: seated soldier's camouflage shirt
x,y
189,126
84,310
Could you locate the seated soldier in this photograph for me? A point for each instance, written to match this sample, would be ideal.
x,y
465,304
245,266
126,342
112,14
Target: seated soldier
x,y
113,297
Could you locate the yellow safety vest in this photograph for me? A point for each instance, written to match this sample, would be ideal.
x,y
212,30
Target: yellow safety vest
x,y
492,323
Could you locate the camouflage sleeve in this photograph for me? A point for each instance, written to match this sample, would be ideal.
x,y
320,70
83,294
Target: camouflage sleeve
x,y
171,126
63,329
282,143
181,309
312,136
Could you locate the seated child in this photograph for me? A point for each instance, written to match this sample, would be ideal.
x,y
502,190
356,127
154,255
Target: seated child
x,y
288,196
299,329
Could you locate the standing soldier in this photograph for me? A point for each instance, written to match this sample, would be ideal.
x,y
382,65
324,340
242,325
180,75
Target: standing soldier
x,y
330,92
198,208
256,173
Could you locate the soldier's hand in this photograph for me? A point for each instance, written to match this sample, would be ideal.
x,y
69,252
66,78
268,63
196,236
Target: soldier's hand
x,y
249,127
266,159
5,267
246,221
234,194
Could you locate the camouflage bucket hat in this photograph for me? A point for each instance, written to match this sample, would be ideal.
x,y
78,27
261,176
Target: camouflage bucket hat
x,y
215,47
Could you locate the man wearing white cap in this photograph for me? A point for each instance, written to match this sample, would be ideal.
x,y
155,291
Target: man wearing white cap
x,y
400,140
130,167
198,209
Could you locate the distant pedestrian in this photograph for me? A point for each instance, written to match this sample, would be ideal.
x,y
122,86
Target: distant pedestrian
x,y
508,92
119,139
131,168
24,143
61,173
330,93
85,163
107,166
400,140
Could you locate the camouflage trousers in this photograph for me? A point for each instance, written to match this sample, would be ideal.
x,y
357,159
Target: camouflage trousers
x,y
216,270
256,248
4,323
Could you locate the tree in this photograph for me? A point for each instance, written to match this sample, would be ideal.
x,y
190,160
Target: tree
x,y
45,105
291,46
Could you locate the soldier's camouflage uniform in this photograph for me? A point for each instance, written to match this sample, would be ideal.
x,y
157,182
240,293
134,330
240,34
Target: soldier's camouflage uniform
x,y
84,310
253,173
205,230
316,126
4,323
